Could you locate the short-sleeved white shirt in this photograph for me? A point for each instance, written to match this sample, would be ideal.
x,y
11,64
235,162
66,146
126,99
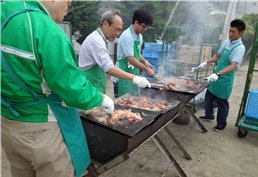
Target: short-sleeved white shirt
x,y
238,53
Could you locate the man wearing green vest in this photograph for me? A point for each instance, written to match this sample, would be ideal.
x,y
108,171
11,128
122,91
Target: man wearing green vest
x,y
129,57
42,134
94,58
228,58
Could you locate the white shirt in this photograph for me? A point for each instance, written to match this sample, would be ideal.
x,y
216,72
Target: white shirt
x,y
94,51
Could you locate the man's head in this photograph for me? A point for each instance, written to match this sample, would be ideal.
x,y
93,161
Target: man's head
x,y
142,19
237,28
58,9
111,24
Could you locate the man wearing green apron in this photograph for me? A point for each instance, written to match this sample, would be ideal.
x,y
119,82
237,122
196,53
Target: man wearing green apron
x,y
129,57
42,134
94,58
228,58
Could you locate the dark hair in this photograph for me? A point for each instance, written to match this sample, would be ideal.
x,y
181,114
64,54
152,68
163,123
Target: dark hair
x,y
239,24
143,16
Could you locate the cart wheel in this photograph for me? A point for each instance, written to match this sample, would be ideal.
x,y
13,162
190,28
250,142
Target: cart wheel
x,y
241,133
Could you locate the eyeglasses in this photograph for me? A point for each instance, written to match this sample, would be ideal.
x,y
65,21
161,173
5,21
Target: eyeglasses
x,y
118,30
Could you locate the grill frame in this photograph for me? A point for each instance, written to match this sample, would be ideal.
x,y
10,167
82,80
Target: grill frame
x,y
105,144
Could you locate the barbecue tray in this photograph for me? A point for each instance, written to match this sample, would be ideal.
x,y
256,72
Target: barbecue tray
x,y
125,127
199,86
153,98
105,143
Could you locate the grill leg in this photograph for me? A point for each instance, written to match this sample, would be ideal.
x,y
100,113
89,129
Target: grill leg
x,y
187,156
190,112
168,155
91,171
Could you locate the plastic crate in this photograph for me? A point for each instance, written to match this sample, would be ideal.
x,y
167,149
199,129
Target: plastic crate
x,y
153,46
248,123
252,104
151,54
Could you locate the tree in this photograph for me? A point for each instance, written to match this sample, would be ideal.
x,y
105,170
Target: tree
x,y
84,17
160,10
248,36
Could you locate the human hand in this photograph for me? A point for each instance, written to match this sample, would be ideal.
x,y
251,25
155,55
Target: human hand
x,y
141,82
213,77
202,64
150,72
148,64
107,104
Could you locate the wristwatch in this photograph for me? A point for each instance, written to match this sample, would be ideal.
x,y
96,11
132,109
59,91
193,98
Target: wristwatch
x,y
218,74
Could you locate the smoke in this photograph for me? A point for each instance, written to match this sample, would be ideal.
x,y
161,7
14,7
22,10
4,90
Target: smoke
x,y
202,19
200,23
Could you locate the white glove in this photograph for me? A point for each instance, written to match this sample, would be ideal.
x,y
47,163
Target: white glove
x,y
107,104
213,77
202,64
141,82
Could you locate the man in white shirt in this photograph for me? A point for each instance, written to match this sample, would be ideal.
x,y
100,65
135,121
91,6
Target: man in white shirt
x,y
94,59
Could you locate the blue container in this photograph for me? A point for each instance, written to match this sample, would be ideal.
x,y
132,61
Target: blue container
x,y
252,104
153,46
151,54
153,61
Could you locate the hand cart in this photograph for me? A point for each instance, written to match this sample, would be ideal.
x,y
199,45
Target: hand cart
x,y
244,122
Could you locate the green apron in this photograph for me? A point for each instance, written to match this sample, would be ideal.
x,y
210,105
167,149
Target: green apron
x,y
127,86
96,75
68,118
222,88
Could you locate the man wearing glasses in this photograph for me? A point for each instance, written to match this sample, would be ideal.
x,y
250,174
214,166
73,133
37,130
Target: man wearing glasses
x,y
129,51
94,59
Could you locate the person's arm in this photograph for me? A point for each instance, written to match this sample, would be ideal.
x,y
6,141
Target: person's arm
x,y
214,59
61,73
133,61
228,69
145,62
117,72
237,58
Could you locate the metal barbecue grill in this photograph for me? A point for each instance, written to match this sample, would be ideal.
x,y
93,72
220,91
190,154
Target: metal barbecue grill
x,y
124,126
102,139
195,87
184,94
111,145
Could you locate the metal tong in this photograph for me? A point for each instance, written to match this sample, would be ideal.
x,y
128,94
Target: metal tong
x,y
161,80
195,68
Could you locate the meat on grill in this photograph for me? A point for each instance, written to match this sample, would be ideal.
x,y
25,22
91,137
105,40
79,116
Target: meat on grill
x,y
170,86
125,114
143,103
116,117
181,84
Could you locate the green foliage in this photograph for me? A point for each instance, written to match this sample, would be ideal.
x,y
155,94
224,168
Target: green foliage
x,y
248,36
160,10
84,17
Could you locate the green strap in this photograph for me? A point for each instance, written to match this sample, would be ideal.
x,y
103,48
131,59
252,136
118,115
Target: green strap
x,y
17,13
14,76
11,106
5,64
